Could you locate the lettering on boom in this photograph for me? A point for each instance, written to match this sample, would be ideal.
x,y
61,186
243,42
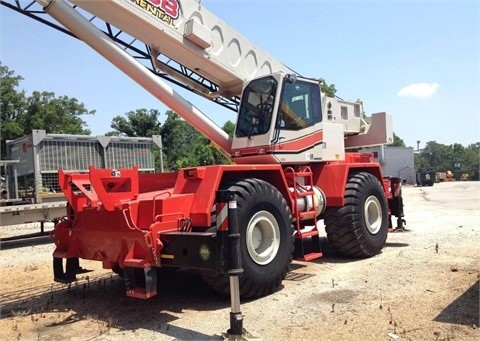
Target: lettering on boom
x,y
165,10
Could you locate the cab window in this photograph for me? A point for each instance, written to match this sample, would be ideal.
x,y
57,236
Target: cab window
x,y
300,106
256,108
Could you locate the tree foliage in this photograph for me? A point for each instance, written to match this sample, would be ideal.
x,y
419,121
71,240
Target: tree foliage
x,y
229,128
20,114
328,89
397,141
138,123
184,146
12,103
56,115
456,158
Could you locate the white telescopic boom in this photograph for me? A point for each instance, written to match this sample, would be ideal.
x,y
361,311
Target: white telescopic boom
x,y
96,39
187,33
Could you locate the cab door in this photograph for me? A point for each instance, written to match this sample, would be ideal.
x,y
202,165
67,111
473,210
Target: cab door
x,y
299,134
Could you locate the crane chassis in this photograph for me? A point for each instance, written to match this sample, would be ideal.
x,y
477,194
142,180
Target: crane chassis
x,y
290,169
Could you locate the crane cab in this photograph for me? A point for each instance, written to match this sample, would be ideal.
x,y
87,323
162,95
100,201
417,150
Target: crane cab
x,y
281,120
287,119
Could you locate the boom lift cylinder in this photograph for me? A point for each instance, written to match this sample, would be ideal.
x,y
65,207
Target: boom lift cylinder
x,y
87,32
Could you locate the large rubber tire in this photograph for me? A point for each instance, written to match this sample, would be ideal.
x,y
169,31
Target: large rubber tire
x,y
359,229
266,239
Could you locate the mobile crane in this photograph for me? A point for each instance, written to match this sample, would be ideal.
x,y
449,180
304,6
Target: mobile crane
x,y
289,165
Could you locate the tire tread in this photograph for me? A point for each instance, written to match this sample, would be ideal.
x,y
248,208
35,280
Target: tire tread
x,y
343,226
249,286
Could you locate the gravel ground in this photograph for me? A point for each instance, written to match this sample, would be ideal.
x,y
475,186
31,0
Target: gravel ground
x,y
423,286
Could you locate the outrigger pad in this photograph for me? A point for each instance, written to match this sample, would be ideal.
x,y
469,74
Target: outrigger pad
x,y
72,269
140,282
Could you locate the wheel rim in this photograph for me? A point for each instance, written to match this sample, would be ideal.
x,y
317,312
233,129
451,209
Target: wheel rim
x,y
373,214
262,237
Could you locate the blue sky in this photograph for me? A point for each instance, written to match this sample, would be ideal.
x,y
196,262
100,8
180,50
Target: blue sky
x,y
418,60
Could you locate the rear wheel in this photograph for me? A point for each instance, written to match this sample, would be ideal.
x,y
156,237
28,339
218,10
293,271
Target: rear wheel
x,y
359,229
266,242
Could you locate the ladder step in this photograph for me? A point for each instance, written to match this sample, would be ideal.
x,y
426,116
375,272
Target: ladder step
x,y
135,262
303,173
307,250
310,256
303,189
307,213
304,194
306,234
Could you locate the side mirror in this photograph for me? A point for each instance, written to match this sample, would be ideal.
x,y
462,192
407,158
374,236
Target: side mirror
x,y
291,78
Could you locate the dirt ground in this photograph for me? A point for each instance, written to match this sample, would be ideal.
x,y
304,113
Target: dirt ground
x,y
423,286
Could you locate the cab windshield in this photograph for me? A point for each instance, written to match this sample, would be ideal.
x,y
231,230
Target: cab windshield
x,y
256,108
300,105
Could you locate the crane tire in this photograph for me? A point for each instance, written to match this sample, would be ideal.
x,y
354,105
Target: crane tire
x,y
359,229
266,239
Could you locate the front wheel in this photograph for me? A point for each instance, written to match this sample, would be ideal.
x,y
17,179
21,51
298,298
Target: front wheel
x,y
359,229
266,239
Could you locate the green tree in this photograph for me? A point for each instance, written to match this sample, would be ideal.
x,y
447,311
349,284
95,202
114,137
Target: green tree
x,y
178,140
397,141
20,114
229,128
12,105
455,158
437,157
421,163
138,123
328,89
57,115
202,154
471,161
465,160
184,146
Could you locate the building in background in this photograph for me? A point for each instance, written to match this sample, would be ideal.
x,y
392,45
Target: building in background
x,y
395,161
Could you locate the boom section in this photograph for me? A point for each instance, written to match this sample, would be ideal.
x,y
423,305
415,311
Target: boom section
x,y
189,34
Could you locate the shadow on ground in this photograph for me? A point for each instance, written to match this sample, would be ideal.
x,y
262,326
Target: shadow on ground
x,y
25,240
102,298
464,310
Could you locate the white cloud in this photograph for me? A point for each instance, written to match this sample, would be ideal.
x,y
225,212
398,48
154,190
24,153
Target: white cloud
x,y
419,90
